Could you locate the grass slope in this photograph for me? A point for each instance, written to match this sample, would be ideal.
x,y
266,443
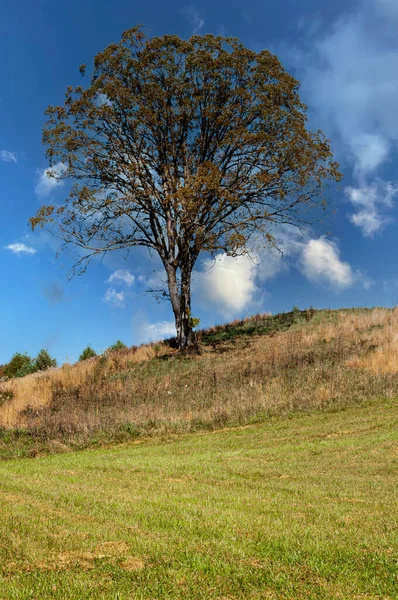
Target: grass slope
x,y
247,372
296,508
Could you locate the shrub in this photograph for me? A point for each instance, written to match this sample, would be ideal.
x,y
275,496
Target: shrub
x,y
117,346
88,352
44,361
19,365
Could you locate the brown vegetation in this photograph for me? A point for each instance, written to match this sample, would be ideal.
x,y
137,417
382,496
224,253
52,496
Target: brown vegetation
x,y
300,361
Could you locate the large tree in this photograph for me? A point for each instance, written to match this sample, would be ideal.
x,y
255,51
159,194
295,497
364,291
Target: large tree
x,y
183,147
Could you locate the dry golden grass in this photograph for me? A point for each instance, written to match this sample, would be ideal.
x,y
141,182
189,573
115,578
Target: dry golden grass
x,y
315,358
37,390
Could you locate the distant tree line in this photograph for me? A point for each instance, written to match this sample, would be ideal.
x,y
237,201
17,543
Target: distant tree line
x,y
22,364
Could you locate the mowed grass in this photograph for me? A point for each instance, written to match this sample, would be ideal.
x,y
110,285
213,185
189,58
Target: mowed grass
x,y
295,508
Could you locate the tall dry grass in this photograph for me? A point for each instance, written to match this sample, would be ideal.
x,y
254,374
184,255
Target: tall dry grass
x,y
38,390
324,358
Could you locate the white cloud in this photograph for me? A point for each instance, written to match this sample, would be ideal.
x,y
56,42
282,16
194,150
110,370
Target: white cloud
x,y
351,82
194,17
122,276
157,331
19,248
369,201
349,77
370,150
227,283
320,263
114,298
49,179
230,285
7,156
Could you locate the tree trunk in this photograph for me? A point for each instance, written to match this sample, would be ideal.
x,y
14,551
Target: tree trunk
x,y
180,296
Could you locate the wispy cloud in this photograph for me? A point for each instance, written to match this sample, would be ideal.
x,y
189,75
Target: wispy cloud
x,y
349,77
49,179
122,276
7,156
19,248
114,298
369,202
194,17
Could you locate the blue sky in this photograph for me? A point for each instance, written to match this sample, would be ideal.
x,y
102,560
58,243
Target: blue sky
x,y
345,53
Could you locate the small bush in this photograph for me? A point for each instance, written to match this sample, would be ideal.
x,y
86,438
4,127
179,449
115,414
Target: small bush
x,y
44,361
117,346
19,366
88,352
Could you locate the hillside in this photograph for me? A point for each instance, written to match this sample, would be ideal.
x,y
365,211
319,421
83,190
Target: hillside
x,y
247,372
300,508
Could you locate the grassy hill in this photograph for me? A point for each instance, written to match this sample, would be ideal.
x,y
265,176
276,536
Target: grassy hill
x,y
285,489
247,372
299,508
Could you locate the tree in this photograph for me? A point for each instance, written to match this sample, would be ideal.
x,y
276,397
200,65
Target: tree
x,y
19,366
44,361
88,352
183,147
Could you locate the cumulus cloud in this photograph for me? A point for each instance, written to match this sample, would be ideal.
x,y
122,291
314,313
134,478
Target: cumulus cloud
x,y
122,276
114,298
19,248
320,262
7,156
158,331
230,285
226,282
194,18
49,179
369,202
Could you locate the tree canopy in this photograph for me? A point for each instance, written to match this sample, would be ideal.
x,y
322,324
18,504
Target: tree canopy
x,y
183,147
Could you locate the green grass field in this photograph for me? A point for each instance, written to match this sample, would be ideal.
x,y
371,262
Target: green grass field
x,y
300,508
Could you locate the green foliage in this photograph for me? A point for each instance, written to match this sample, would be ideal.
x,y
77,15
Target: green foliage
x,y
22,364
117,346
44,361
193,322
19,365
257,325
88,352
